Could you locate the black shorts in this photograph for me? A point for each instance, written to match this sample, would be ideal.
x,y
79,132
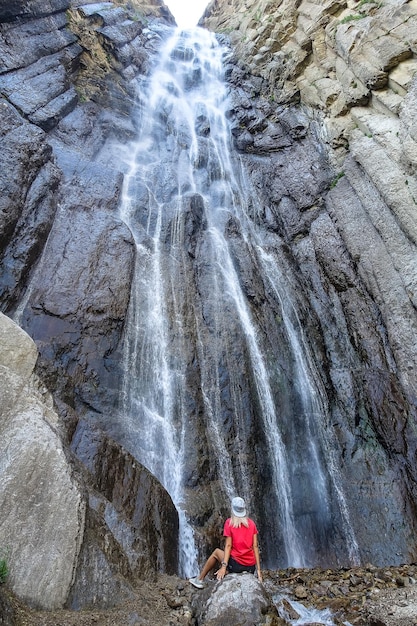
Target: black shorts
x,y
237,568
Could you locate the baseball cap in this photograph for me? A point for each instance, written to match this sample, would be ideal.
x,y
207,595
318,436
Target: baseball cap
x,y
238,507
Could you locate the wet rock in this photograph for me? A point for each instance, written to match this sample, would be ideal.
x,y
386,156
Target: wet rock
x,y
38,61
30,45
81,281
29,181
364,115
289,609
86,183
38,91
295,204
192,221
131,527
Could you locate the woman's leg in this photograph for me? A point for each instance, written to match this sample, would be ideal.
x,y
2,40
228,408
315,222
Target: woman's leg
x,y
215,557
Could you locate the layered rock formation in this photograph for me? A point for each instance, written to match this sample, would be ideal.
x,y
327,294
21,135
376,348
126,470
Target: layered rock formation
x,y
344,73
350,66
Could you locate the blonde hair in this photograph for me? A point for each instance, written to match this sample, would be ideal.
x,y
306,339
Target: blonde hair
x,y
237,522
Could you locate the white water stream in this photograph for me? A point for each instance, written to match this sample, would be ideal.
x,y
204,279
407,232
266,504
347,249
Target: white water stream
x,y
183,109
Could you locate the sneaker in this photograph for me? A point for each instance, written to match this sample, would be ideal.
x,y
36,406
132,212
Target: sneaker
x,y
196,582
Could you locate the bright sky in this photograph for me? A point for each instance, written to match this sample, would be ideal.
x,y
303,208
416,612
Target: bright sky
x,y
187,12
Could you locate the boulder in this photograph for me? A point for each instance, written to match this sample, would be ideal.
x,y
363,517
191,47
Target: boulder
x,y
238,600
42,519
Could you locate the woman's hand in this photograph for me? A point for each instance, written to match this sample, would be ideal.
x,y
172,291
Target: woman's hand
x,y
259,575
221,573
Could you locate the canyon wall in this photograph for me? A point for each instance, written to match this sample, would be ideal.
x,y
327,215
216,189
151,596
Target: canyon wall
x,y
63,507
322,109
345,74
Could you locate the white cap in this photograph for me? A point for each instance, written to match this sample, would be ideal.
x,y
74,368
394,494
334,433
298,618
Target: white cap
x,y
238,507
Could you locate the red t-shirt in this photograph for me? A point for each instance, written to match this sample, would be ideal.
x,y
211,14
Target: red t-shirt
x,y
242,541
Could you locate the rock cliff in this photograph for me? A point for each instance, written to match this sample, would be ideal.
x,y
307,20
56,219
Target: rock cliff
x,y
322,102
344,73
350,68
63,509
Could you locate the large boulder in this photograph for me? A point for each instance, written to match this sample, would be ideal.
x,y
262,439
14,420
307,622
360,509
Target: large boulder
x,y
238,600
42,519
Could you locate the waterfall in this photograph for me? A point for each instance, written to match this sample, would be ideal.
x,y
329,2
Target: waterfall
x,y
199,366
313,403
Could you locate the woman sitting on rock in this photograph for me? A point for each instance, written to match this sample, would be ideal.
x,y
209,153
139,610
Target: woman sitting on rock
x,y
241,552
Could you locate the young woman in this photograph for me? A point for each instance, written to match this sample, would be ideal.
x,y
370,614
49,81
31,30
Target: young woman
x,y
241,552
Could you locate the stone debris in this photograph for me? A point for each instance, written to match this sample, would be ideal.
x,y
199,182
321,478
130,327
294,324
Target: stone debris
x,y
361,596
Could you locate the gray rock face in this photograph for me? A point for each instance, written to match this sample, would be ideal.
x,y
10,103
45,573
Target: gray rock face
x,y
239,600
131,527
353,296
31,9
81,301
28,200
354,243
333,203
42,522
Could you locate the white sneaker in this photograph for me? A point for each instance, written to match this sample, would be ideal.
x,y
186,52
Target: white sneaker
x,y
196,582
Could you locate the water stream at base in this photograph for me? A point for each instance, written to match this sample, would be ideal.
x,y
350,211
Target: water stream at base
x,y
181,171
302,615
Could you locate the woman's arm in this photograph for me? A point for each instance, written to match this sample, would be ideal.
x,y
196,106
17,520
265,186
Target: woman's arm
x,y
258,560
223,570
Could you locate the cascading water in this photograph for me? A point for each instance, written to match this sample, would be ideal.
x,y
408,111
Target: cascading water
x,y
201,392
313,403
